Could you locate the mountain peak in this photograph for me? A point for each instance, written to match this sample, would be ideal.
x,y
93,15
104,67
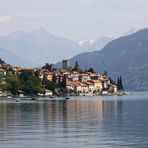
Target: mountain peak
x,y
86,42
16,33
40,30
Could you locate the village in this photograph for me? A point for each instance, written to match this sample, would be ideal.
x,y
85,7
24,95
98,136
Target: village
x,y
49,81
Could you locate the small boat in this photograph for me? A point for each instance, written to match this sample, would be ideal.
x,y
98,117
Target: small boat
x,y
9,97
67,98
17,100
34,99
127,93
52,96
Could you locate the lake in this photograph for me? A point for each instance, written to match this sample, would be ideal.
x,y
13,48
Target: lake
x,y
80,122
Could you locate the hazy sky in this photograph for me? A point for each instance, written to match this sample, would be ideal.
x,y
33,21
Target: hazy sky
x,y
74,19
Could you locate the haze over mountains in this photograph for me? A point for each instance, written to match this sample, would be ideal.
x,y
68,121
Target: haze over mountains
x,y
126,56
11,58
39,47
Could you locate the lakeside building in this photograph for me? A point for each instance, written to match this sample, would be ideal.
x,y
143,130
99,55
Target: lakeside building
x,y
74,80
84,77
77,87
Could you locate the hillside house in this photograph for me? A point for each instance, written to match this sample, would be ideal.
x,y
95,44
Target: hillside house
x,y
90,86
84,77
74,76
77,87
97,84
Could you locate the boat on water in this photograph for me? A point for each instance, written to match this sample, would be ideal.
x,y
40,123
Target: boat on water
x,y
127,93
26,100
17,100
9,97
34,99
67,98
52,96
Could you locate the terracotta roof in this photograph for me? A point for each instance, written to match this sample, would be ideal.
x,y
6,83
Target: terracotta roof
x,y
104,79
94,81
89,83
84,74
70,83
48,73
94,75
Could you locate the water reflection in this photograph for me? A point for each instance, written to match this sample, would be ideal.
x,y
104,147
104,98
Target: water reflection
x,y
77,123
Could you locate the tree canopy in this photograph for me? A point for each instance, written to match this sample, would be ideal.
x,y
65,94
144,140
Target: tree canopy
x,y
30,84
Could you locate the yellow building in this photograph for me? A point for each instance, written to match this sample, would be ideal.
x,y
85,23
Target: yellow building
x,y
77,87
97,85
49,76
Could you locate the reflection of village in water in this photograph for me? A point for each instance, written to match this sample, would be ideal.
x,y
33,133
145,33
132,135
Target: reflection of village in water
x,y
57,113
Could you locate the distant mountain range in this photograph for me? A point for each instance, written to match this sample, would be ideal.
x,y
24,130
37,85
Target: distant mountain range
x,y
39,47
126,56
13,59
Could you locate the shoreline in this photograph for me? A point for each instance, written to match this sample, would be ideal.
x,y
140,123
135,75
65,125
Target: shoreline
x,y
63,96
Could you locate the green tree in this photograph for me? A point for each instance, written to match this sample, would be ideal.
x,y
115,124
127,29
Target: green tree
x,y
120,84
49,85
105,73
37,73
52,86
54,78
12,84
63,91
59,82
1,61
64,81
91,70
30,84
45,83
26,75
76,67
48,66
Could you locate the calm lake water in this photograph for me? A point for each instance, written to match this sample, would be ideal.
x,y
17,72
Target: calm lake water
x,y
81,122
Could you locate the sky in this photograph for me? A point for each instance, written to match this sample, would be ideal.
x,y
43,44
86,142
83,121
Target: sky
x,y
74,19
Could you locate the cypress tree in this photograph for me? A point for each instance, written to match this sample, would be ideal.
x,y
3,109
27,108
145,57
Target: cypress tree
x,y
121,84
118,84
105,73
54,78
59,81
64,80
91,70
76,67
